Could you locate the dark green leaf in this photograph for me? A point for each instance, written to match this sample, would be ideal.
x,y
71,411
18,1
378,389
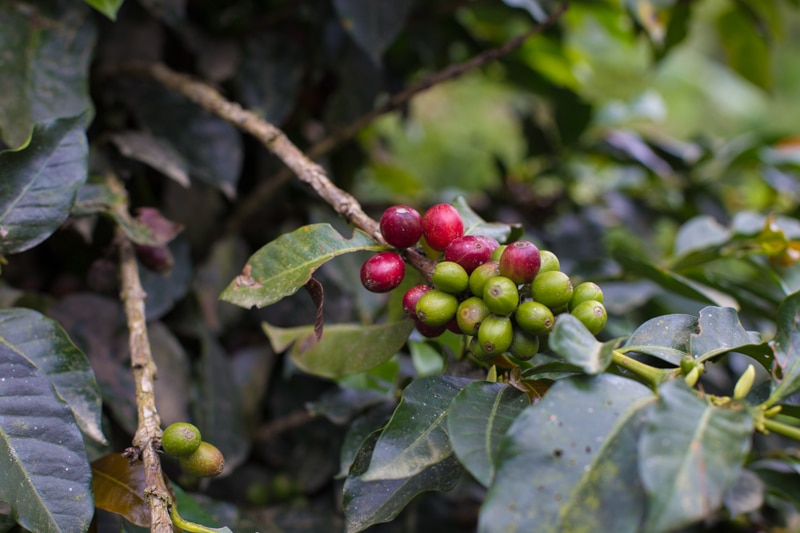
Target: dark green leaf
x,y
680,17
786,346
568,462
719,331
46,76
98,198
367,503
283,266
746,50
667,337
45,345
475,225
690,454
478,419
119,486
39,183
577,346
700,233
44,472
157,153
416,437
373,25
344,349
108,8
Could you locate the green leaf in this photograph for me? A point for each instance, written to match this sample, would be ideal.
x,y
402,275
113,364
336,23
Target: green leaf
x,y
478,419
576,345
108,8
373,25
699,234
119,486
667,337
154,152
283,266
98,198
367,503
719,331
45,345
416,436
786,346
568,462
475,225
39,183
690,454
44,472
46,76
746,50
344,349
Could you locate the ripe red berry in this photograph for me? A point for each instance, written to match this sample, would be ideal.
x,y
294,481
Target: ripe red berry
x,y
383,272
469,251
401,226
520,262
411,298
441,224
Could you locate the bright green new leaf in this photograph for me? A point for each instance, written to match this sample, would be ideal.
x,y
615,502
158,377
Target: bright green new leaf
x,y
44,471
690,453
477,421
344,349
786,347
576,345
282,267
108,8
568,462
38,184
416,436
44,344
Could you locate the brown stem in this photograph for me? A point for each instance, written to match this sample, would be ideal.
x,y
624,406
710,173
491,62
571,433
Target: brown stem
x,y
148,433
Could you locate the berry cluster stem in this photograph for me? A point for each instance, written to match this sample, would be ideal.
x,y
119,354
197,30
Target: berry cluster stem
x,y
653,376
148,432
793,432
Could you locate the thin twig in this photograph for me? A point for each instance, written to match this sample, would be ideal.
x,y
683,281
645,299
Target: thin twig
x,y
262,193
148,433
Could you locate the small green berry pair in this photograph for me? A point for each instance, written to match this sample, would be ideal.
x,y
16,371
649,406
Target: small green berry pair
x,y
183,440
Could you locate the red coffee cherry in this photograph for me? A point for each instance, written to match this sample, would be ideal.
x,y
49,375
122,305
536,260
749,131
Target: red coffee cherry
x,y
469,251
383,272
520,262
411,297
441,224
401,226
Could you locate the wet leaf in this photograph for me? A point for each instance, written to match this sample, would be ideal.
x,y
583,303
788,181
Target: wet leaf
x,y
566,462
667,337
44,472
577,346
119,486
344,349
44,344
690,454
373,25
477,421
283,266
40,182
719,331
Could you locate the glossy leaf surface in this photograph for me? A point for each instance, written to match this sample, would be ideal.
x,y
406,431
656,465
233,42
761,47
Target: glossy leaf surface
x,y
576,345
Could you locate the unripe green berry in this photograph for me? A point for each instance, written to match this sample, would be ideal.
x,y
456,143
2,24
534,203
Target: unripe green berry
x,y
584,292
482,274
501,295
436,307
470,313
549,261
535,318
180,439
478,353
451,277
523,346
498,252
592,314
552,289
495,334
206,461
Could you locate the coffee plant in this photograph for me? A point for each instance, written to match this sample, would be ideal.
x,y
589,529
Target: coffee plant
x,y
340,265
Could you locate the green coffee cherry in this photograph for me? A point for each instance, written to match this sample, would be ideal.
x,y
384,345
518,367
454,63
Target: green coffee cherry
x,y
205,461
482,274
552,289
523,346
181,439
495,334
535,318
592,314
436,307
584,292
550,262
470,313
477,352
451,277
501,295
498,252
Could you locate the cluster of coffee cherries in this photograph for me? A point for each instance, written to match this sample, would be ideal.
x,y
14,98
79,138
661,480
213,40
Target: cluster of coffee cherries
x,y
505,297
184,441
